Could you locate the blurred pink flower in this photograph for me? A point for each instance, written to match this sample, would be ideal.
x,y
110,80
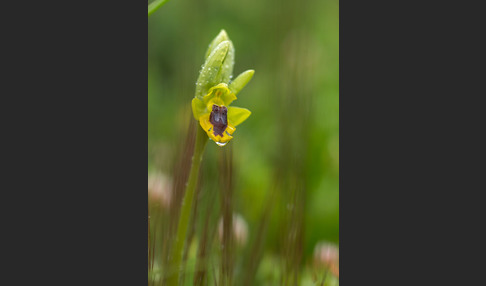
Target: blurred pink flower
x,y
240,229
326,255
160,189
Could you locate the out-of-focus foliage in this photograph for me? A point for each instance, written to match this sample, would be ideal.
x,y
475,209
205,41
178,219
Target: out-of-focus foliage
x,y
293,132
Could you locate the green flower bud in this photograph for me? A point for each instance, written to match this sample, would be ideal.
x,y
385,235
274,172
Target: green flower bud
x,y
226,70
221,37
211,70
228,63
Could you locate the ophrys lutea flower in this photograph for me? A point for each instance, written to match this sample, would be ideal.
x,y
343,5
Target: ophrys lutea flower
x,y
214,93
216,117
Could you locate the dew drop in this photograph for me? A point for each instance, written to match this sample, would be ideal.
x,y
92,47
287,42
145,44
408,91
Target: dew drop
x,y
221,144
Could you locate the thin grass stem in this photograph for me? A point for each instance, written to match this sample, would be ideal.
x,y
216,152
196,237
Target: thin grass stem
x,y
187,202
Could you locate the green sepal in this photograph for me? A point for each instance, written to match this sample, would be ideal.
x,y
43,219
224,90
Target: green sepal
x,y
237,115
240,81
198,108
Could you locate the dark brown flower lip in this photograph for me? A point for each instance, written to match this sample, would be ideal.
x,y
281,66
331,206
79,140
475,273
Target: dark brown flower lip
x,y
219,119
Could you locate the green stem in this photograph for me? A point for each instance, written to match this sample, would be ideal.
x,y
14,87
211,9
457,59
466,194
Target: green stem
x,y
152,7
178,247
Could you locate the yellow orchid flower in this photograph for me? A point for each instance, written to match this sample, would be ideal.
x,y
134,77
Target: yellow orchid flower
x,y
216,117
215,92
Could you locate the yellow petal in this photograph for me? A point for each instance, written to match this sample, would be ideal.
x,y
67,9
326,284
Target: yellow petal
x,y
208,127
228,98
237,115
230,129
217,138
204,122
216,100
224,139
216,90
220,95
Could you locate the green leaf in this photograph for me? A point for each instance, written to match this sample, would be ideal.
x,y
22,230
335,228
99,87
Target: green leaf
x,y
240,81
237,115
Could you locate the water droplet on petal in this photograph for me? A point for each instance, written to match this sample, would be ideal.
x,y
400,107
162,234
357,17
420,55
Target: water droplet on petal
x,y
221,144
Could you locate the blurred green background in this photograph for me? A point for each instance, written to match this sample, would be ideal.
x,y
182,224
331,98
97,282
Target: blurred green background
x,y
291,140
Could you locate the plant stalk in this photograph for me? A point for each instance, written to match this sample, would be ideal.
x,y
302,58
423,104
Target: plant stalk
x,y
177,250
152,7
